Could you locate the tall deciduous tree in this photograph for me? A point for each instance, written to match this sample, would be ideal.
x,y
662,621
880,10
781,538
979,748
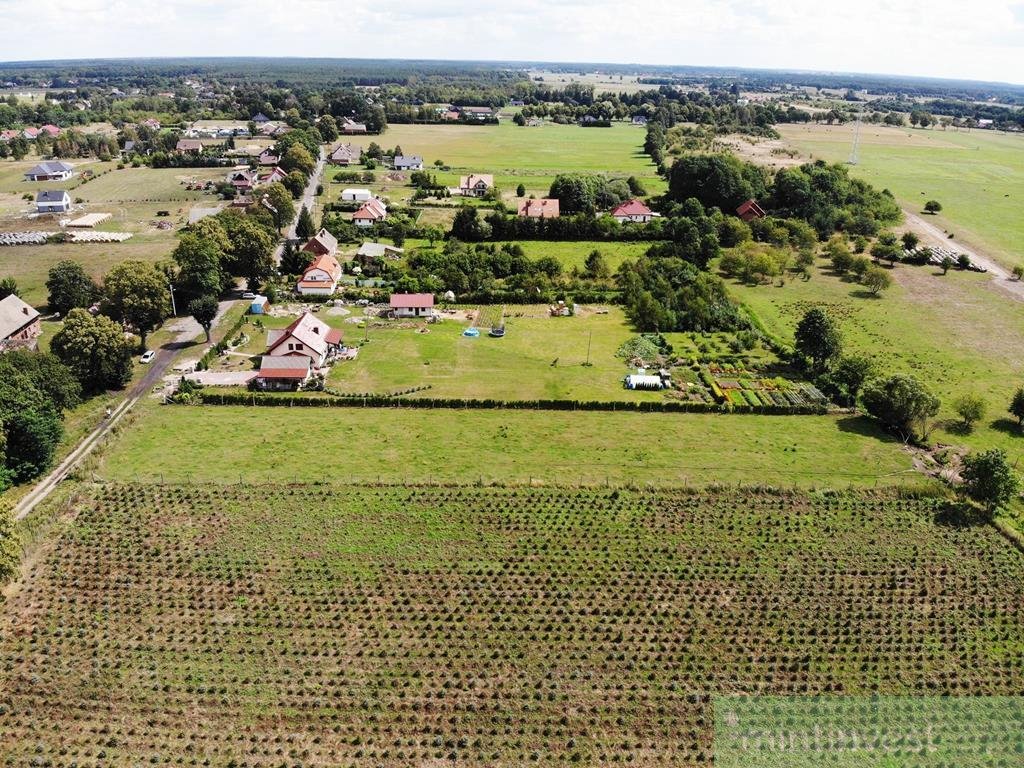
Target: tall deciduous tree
x,y
69,286
137,293
818,338
204,310
200,269
989,478
280,199
251,252
95,349
902,403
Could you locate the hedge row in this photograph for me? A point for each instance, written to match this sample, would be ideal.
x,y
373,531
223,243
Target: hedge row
x,y
382,401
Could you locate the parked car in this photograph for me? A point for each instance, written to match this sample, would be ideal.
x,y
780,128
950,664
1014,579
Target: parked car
x,y
147,356
248,295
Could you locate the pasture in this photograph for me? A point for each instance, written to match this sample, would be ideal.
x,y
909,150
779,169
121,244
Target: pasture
x,y
957,333
386,626
232,443
978,176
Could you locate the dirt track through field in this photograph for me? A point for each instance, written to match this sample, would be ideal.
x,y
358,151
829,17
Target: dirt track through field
x,y
934,236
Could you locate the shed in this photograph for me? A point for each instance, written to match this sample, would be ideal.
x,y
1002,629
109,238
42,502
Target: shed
x,y
356,195
643,381
259,305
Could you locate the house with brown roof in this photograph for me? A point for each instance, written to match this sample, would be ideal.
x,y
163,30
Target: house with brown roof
x,y
750,210
346,154
351,126
283,372
268,158
188,146
412,304
308,336
322,243
633,211
19,324
475,185
371,212
275,174
545,208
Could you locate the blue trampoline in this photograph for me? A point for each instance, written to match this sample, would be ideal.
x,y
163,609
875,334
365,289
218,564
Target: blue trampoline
x,y
471,332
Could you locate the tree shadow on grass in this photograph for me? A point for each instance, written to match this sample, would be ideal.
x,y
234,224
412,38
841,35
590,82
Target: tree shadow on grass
x,y
866,427
960,515
957,427
1007,426
863,294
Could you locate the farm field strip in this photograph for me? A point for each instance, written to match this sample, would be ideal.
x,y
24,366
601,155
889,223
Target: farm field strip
x,y
409,625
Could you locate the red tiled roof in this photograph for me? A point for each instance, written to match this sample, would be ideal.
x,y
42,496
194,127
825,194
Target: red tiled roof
x,y
545,208
750,208
282,367
632,208
334,336
371,209
412,300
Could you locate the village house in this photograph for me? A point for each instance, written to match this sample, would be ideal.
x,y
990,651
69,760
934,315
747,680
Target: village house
x,y
242,179
374,251
152,123
276,174
639,120
188,146
350,126
283,372
545,208
408,163
750,210
9,135
450,115
30,133
632,211
476,184
50,130
53,201
476,113
259,118
321,277
412,304
53,170
346,154
322,243
19,324
307,337
371,212
268,158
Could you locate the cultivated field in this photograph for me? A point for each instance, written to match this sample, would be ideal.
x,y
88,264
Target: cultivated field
x,y
229,443
393,626
978,176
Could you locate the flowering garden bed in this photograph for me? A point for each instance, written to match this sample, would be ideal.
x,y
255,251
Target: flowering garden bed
x,y
362,626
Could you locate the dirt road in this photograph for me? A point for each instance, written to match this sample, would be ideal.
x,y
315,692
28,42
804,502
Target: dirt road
x,y
187,329
308,200
931,235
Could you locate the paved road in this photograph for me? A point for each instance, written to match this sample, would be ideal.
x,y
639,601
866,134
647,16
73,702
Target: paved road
x,y
308,200
934,236
166,355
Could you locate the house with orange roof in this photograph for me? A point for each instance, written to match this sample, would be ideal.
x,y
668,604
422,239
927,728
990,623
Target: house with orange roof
x,y
633,211
545,208
321,277
371,212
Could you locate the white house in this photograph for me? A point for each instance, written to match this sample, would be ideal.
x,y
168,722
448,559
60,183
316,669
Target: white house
x,y
50,171
53,201
475,185
408,163
356,195
412,304
371,212
306,337
633,211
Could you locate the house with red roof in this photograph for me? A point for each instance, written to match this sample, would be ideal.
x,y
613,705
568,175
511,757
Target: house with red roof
x,y
475,185
321,277
750,210
545,208
30,133
276,174
282,372
323,242
50,130
308,336
371,212
412,304
152,123
633,211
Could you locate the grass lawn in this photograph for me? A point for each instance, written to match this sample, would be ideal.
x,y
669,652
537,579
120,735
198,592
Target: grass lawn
x,y
957,333
978,176
224,443
540,357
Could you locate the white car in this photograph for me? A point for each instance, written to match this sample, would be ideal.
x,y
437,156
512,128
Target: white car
x,y
147,357
248,295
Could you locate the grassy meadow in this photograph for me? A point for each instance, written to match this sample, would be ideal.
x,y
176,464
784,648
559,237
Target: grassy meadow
x,y
229,443
958,333
978,176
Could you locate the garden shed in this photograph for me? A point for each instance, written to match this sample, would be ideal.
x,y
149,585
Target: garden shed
x,y
259,305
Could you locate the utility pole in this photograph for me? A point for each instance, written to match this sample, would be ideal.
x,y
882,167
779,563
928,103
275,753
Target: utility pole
x,y
590,340
174,309
855,153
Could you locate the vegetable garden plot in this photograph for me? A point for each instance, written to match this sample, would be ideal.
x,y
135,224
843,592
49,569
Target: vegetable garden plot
x,y
300,626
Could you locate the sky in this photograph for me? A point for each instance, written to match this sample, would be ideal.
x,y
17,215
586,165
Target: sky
x,y
979,39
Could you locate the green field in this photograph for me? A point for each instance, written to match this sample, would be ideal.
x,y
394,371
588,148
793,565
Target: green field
x,y
532,156
540,358
225,443
978,176
957,333
287,625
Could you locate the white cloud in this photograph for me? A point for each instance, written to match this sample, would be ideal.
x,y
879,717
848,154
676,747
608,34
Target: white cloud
x,y
983,39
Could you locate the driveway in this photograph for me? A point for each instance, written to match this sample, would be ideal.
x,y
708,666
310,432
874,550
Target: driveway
x,y
221,378
308,200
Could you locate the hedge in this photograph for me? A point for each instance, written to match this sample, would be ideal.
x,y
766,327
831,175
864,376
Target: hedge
x,y
390,401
